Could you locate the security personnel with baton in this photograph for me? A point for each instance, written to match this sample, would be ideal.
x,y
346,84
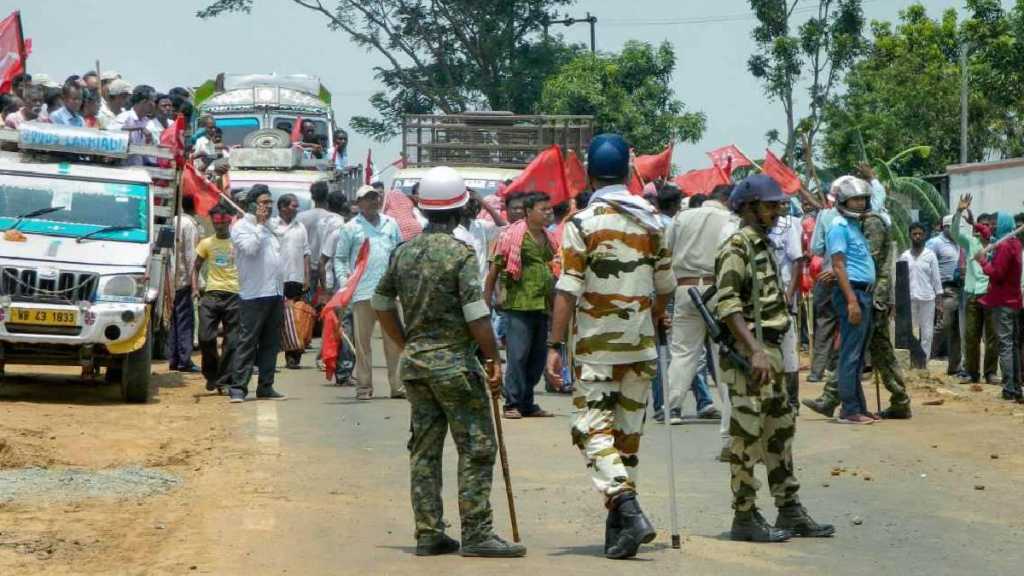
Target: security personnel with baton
x,y
762,425
437,280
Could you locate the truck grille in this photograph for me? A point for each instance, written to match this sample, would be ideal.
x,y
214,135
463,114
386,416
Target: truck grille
x,y
67,287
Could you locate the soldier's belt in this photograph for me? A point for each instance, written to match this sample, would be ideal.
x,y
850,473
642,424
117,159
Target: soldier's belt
x,y
772,336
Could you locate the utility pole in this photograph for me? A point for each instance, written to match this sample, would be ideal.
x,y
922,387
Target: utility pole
x,y
592,20
964,120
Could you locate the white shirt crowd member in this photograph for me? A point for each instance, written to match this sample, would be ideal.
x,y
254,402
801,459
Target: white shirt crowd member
x,y
258,258
294,248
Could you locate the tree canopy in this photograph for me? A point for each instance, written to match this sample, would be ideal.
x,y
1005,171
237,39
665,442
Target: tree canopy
x,y
628,93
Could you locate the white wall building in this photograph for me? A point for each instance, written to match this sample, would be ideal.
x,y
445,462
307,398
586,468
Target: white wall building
x,y
996,186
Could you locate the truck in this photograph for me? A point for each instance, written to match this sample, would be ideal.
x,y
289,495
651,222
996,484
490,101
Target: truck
x,y
84,252
488,149
256,114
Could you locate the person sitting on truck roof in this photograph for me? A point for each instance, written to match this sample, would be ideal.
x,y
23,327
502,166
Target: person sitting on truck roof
x,y
33,103
339,152
206,150
19,84
311,141
91,80
206,123
135,119
70,113
163,116
118,92
91,109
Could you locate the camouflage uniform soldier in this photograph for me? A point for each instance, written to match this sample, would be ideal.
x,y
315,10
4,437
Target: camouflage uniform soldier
x,y
613,261
437,280
883,357
763,423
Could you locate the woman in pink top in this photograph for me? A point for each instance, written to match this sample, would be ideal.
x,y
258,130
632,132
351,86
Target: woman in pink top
x,y
1004,298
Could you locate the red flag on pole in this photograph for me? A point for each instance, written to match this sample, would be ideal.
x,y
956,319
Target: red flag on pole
x,y
575,174
297,130
369,166
545,173
205,193
174,138
654,166
728,158
332,331
701,181
14,49
783,175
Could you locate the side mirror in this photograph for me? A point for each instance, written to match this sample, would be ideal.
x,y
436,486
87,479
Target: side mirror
x,y
165,239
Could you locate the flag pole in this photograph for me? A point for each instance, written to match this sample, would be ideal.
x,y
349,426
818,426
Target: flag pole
x,y
21,44
749,159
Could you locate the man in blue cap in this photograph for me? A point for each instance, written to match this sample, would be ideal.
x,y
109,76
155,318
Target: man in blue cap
x,y
613,263
752,304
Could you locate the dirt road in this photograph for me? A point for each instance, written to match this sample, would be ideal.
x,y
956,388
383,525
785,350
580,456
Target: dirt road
x,y
319,485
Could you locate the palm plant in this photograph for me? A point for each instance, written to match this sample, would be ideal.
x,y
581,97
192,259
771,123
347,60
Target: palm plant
x,y
907,191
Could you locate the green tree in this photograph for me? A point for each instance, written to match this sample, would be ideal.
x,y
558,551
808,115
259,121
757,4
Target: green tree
x,y
443,55
628,93
905,92
820,52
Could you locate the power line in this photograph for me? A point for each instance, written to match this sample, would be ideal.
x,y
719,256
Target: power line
x,y
723,18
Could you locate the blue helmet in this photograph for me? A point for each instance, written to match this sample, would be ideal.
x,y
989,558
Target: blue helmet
x,y
608,157
756,187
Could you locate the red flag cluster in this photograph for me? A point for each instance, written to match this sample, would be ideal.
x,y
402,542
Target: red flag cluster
x,y
12,42
728,158
783,175
205,193
702,181
654,166
558,177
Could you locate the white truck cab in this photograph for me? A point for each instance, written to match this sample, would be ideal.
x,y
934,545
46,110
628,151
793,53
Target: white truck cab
x,y
81,268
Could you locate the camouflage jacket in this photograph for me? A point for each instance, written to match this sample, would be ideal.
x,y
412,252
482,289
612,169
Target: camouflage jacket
x,y
882,247
437,280
614,266
735,289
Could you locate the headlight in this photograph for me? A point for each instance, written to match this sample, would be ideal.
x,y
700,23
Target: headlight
x,y
122,288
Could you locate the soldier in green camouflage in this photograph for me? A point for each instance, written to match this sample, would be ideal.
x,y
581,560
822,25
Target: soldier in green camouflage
x,y
883,357
436,278
752,305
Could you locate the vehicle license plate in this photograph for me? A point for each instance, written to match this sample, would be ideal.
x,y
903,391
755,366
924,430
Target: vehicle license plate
x,y
43,317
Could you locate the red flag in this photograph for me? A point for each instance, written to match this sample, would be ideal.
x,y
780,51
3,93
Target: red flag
x,y
174,138
545,173
332,330
400,163
400,207
297,130
575,174
701,181
12,42
728,158
369,166
654,166
783,175
636,186
205,193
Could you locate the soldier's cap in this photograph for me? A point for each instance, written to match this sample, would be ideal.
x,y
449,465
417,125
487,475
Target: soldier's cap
x,y
119,88
757,187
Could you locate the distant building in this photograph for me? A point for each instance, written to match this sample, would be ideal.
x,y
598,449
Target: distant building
x,y
996,186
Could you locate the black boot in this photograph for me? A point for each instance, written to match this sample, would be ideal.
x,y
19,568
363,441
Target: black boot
x,y
437,546
635,529
793,390
823,407
752,527
896,412
795,519
612,528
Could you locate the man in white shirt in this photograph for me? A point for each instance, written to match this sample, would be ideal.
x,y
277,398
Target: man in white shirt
x,y
135,120
294,258
312,219
477,232
116,95
182,334
261,305
789,256
925,286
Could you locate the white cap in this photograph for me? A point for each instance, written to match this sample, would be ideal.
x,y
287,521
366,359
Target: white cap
x,y
364,190
119,87
947,221
110,75
442,189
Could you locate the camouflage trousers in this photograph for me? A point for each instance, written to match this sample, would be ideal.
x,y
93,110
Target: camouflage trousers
x,y
883,360
762,427
459,402
607,430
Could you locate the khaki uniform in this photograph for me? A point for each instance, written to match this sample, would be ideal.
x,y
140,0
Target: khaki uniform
x,y
762,423
437,281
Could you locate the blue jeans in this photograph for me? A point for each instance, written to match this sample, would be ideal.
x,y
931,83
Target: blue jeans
x,y
699,386
526,347
852,340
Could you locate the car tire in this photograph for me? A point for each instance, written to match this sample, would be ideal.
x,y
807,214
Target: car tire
x,y
135,373
267,138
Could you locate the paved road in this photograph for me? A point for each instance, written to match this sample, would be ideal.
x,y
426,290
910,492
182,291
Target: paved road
x,y
328,494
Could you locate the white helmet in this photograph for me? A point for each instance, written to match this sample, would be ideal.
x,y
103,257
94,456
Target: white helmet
x,y
846,187
442,189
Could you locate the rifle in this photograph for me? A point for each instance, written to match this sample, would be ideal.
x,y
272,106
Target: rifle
x,y
718,333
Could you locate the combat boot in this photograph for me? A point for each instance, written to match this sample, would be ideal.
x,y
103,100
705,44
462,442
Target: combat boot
x,y
821,406
794,518
437,546
752,527
635,529
793,390
896,412
612,528
494,547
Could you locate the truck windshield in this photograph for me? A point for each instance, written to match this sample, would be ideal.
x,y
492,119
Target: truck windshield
x,y
88,207
234,130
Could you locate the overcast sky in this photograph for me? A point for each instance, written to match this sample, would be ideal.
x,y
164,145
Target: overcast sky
x,y
164,44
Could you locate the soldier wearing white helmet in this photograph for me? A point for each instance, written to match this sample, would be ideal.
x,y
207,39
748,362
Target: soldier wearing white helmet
x,y
436,278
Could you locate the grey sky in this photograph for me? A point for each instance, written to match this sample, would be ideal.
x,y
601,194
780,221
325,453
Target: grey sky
x,y
164,44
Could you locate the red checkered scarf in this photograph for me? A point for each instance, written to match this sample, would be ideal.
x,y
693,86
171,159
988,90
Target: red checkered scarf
x,y
510,246
398,206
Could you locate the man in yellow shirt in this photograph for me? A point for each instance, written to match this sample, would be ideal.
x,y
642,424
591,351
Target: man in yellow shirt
x,y
219,303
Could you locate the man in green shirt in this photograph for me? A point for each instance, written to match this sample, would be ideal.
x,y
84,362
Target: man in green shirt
x,y
977,318
522,265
